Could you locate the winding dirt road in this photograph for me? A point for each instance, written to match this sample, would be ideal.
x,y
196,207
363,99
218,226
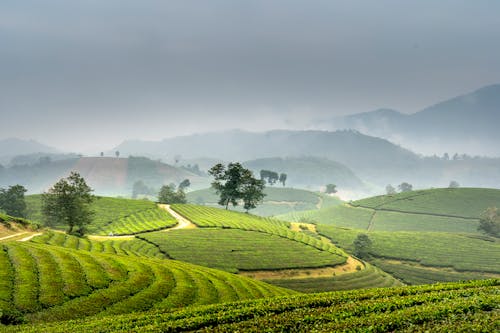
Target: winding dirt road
x,y
184,223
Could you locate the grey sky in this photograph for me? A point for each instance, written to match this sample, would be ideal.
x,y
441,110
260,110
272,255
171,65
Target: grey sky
x,y
87,74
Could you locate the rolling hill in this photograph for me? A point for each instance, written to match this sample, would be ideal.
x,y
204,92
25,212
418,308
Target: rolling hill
x,y
12,147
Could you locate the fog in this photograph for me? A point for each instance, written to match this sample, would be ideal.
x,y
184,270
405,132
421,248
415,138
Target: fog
x,y
86,75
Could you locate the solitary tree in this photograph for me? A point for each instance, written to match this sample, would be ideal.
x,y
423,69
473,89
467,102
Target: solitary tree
x,y
405,187
184,184
454,184
331,188
12,200
283,178
68,202
117,153
102,153
490,222
390,190
236,183
362,245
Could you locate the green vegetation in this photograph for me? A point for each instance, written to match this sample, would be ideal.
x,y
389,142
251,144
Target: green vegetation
x,y
452,307
234,249
51,283
213,217
12,200
441,251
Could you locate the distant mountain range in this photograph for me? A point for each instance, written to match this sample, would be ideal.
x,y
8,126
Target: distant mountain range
x,y
14,147
464,124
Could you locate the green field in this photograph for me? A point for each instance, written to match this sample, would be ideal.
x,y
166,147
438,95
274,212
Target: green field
x,y
452,307
115,216
234,249
278,200
451,253
49,283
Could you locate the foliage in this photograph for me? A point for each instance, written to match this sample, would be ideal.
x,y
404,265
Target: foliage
x,y
331,188
68,202
453,307
490,222
282,178
168,195
454,184
271,177
405,187
390,190
236,183
12,200
139,187
184,184
362,245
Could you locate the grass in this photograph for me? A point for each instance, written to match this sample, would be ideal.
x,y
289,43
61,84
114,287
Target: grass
x,y
444,251
233,250
52,283
453,307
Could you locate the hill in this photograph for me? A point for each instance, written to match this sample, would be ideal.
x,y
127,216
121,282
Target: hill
x,y
12,147
106,175
309,172
463,124
452,307
278,200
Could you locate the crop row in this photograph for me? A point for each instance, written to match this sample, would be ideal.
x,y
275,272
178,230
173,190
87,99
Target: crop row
x,y
133,246
465,307
49,283
213,217
143,221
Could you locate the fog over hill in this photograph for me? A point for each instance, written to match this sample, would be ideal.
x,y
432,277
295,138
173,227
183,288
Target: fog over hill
x,y
11,147
463,124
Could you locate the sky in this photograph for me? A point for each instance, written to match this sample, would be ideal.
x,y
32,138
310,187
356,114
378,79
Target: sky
x,y
85,75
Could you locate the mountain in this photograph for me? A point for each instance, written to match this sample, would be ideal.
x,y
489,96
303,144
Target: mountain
x,y
464,124
12,147
367,156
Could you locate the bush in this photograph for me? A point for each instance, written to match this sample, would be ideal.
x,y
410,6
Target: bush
x,y
11,317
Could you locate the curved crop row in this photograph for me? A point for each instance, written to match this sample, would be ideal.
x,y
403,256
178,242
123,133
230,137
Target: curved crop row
x,y
50,283
465,307
143,221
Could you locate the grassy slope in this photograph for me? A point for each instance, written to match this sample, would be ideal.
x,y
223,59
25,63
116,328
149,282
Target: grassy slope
x,y
464,307
115,215
278,200
49,283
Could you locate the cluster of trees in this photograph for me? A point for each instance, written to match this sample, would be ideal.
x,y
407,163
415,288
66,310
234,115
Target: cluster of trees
x,y
403,187
271,177
12,200
171,194
234,183
490,222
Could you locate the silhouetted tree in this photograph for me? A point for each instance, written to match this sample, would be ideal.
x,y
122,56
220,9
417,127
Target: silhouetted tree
x,y
405,187
117,153
331,188
390,190
282,179
184,184
102,154
12,200
454,184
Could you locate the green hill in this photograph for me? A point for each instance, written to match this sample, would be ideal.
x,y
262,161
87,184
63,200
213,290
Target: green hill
x,y
452,307
278,200
50,283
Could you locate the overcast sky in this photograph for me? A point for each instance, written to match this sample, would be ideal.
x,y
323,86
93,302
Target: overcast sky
x,y
85,74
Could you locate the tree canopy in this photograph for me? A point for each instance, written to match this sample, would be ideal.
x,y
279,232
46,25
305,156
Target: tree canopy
x,y
12,200
235,183
68,202
490,222
169,195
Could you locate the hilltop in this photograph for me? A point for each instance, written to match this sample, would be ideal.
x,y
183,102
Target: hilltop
x,y
12,147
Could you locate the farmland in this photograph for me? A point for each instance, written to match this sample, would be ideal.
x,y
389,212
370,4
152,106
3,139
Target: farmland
x,y
452,307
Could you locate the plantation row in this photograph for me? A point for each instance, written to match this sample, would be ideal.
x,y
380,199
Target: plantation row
x,y
144,221
133,246
440,250
369,277
234,249
453,307
48,283
213,217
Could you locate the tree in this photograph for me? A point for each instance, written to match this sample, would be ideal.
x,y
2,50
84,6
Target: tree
x,y
140,187
117,153
236,183
331,188
390,190
405,187
454,184
489,222
168,195
362,245
12,200
271,176
69,202
102,154
184,184
283,178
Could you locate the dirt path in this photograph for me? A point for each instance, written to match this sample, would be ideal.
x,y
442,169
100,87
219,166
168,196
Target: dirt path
x,y
184,223
12,236
25,239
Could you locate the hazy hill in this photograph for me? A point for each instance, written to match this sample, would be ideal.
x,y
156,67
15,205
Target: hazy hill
x,y
12,147
308,171
463,124
106,175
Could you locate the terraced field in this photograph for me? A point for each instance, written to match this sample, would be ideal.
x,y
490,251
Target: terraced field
x,y
234,250
459,255
49,283
452,307
212,217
